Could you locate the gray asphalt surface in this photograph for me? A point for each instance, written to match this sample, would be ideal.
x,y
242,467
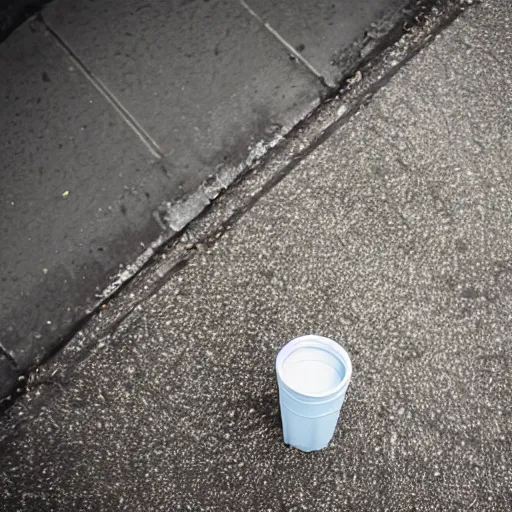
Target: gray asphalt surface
x,y
391,237
113,112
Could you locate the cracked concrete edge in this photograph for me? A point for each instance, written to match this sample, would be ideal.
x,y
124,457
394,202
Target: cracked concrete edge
x,y
373,41
179,214
175,216
193,224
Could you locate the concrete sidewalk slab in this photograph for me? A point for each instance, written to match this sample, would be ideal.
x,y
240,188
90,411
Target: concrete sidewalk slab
x,y
329,33
78,189
204,79
391,237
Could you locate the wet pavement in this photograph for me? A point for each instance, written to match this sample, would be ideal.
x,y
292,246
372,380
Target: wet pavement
x,y
400,252
113,113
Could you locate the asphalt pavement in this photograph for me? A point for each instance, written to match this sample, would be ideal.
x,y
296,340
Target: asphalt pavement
x,y
392,237
121,121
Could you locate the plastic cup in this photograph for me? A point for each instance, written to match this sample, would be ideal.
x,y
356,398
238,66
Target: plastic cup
x,y
313,374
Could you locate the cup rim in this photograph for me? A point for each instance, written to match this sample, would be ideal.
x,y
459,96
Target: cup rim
x,y
313,341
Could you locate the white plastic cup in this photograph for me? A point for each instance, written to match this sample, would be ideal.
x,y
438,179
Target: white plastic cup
x,y
313,374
